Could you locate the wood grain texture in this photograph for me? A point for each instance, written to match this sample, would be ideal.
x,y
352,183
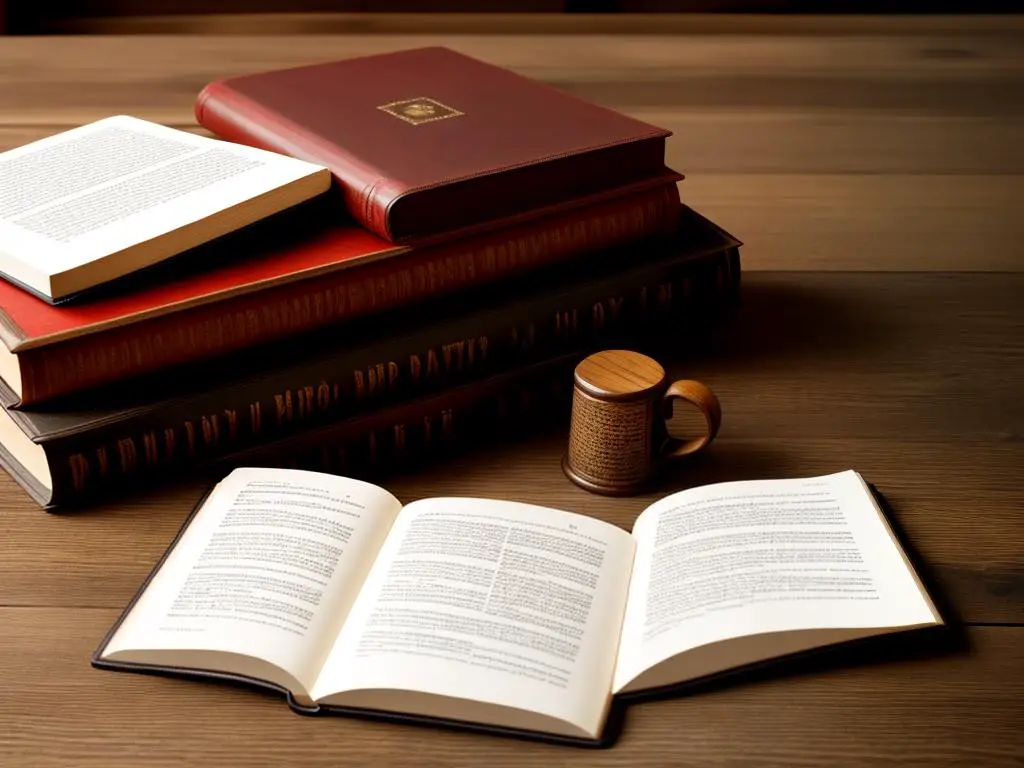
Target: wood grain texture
x,y
934,75
882,152
935,704
619,372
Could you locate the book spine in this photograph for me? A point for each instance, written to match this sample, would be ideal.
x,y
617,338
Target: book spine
x,y
161,442
213,330
228,114
502,407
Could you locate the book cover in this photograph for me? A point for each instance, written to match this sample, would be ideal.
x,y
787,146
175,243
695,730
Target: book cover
x,y
270,283
428,141
294,391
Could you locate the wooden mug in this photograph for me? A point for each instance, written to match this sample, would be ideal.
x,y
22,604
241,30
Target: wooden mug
x,y
618,437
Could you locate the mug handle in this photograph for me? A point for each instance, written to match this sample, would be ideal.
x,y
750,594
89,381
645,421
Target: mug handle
x,y
700,395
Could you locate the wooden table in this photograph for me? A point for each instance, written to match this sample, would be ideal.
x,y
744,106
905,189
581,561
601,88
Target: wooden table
x,y
875,177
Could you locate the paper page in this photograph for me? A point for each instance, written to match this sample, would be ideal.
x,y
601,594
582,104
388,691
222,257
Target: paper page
x,y
493,602
91,191
268,568
744,558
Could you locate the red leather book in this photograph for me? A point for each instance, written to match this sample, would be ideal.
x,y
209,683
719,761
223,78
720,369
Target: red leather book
x,y
428,142
283,286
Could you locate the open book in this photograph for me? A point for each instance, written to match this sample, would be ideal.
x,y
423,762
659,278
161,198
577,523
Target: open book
x,y
509,617
103,200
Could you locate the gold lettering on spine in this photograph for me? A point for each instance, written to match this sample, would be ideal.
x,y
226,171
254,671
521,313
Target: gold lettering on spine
x,y
375,378
126,450
255,417
360,385
190,435
211,429
453,352
169,442
305,398
101,460
231,417
149,446
323,396
79,466
283,410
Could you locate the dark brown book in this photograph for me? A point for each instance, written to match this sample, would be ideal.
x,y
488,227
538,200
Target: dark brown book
x,y
63,456
429,142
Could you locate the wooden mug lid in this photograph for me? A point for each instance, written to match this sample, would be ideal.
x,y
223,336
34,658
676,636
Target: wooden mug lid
x,y
618,374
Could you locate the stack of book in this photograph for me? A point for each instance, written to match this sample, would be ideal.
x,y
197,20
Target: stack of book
x,y
369,259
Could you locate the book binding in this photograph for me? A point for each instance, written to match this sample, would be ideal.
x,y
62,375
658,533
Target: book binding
x,y
111,346
389,128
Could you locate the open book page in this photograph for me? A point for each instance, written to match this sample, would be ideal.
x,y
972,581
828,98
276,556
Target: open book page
x,y
488,603
98,189
267,570
751,558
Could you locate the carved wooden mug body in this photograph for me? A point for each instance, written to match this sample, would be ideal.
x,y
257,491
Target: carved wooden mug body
x,y
618,438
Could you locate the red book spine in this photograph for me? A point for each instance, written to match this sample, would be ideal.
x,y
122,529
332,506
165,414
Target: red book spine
x,y
246,321
231,116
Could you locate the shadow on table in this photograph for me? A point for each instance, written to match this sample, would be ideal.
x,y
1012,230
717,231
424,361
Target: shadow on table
x,y
793,316
725,461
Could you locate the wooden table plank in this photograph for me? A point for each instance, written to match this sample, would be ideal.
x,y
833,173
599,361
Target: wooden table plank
x,y
917,706
867,222
912,379
931,75
797,141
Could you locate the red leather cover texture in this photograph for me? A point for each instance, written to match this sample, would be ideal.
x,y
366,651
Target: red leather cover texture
x,y
428,141
329,275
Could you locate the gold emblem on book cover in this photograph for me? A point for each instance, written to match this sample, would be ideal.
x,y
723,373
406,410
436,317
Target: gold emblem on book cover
x,y
421,110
